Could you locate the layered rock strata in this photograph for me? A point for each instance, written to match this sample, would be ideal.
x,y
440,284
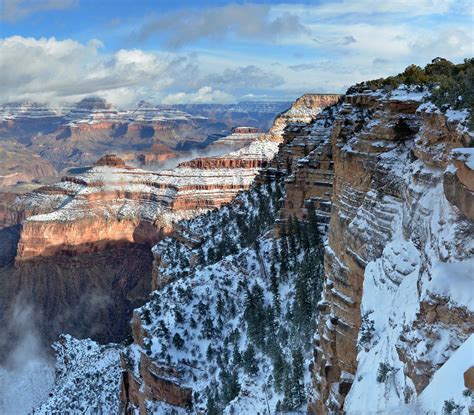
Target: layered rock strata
x,y
113,203
397,240
136,388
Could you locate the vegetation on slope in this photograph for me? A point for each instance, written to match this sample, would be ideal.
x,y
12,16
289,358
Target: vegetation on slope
x,y
246,312
451,85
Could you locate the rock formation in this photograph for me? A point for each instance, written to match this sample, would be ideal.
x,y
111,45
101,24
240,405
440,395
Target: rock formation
x,y
396,237
81,133
386,179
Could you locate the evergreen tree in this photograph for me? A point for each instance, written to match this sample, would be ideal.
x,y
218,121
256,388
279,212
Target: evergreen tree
x,y
275,290
284,261
291,236
254,314
249,361
279,368
313,229
178,341
208,329
297,380
236,356
209,353
230,385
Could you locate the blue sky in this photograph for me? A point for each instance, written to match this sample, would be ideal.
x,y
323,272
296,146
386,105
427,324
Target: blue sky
x,y
218,51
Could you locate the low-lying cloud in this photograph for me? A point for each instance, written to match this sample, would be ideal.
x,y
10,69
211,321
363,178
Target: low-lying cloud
x,y
28,373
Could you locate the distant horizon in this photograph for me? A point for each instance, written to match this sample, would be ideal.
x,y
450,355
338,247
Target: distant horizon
x,y
218,51
155,104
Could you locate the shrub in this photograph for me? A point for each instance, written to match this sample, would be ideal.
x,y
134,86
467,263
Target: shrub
x,y
450,407
383,372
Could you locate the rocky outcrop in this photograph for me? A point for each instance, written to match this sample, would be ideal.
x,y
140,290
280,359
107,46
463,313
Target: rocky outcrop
x,y
303,111
459,182
20,165
151,380
384,249
259,154
113,203
111,160
240,137
78,135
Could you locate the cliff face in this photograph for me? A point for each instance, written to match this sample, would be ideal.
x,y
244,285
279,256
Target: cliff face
x,y
137,389
400,235
303,111
113,203
388,181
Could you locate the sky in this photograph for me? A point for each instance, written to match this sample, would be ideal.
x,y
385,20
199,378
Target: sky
x,y
203,51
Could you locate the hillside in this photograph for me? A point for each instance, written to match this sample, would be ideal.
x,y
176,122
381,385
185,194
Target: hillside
x,y
339,282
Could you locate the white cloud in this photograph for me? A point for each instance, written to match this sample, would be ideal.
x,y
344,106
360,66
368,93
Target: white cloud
x,y
203,95
54,71
13,10
360,8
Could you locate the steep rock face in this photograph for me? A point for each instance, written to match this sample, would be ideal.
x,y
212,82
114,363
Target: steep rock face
x,y
303,110
392,230
18,164
307,159
113,203
317,147
240,137
89,295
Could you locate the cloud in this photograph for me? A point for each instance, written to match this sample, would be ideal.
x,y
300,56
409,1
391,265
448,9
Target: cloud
x,y
348,40
55,71
361,9
203,95
249,76
248,21
302,67
51,70
14,10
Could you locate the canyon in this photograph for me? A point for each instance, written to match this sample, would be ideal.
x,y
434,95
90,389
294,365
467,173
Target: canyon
x,y
110,212
379,183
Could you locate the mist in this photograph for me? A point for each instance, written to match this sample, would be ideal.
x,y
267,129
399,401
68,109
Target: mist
x,y
188,156
27,375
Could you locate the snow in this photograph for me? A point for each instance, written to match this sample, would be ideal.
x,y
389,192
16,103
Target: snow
x,y
425,253
454,281
448,382
88,378
464,154
403,93
457,115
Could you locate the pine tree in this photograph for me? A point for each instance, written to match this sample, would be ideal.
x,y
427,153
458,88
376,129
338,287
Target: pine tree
x,y
230,385
208,329
313,229
291,236
236,356
303,304
275,252
209,353
254,314
249,361
284,261
178,341
279,368
297,380
275,290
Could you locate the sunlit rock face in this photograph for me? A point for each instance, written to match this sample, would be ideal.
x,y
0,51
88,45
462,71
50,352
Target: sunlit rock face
x,y
398,254
114,203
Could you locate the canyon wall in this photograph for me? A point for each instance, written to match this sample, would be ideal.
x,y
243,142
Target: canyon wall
x,y
113,203
400,234
291,139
